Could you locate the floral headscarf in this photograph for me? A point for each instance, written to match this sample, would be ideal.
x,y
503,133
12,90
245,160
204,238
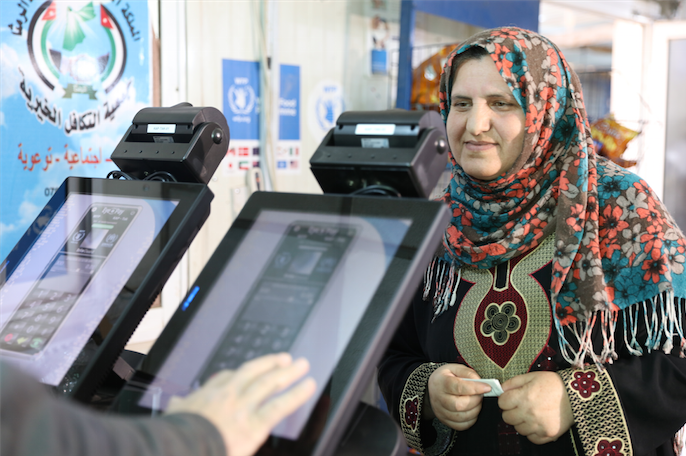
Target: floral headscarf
x,y
617,249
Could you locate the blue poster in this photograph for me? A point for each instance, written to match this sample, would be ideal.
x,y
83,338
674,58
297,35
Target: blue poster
x,y
289,103
379,61
74,74
241,98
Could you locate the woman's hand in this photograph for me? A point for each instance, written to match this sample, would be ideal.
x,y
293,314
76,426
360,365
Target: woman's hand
x,y
537,405
455,402
241,404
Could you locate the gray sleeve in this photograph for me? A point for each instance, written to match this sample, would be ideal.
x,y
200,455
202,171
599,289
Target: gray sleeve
x,y
32,422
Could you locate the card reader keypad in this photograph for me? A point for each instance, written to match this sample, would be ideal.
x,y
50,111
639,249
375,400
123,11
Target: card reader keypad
x,y
35,322
250,339
41,313
279,302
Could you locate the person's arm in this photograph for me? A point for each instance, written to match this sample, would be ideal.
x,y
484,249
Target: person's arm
x,y
33,422
638,403
404,378
242,404
537,405
634,405
210,422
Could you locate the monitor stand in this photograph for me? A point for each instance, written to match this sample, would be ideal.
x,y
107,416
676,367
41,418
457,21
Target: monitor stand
x,y
372,432
115,380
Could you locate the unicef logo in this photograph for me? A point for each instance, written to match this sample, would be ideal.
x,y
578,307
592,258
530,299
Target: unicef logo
x,y
241,97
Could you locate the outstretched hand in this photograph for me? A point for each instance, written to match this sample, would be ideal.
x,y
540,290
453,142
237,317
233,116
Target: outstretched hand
x,y
240,403
537,405
456,403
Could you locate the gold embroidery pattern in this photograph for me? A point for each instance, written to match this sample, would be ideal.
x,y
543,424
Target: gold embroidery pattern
x,y
585,384
413,395
537,310
597,412
500,322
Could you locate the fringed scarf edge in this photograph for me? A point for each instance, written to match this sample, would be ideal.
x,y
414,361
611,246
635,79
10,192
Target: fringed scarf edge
x,y
663,316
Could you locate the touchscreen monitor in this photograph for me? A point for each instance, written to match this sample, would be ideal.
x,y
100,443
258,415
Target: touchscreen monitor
x,y
78,282
323,277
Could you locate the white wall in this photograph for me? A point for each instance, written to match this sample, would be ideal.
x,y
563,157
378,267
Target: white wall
x,y
309,34
656,70
626,99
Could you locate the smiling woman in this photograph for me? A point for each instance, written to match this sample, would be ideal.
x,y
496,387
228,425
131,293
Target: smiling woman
x,y
485,124
562,276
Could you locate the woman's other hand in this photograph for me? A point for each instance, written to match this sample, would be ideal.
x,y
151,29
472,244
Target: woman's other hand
x,y
537,405
455,402
241,404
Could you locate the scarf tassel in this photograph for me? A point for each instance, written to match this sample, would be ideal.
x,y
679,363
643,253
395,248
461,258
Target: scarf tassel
x,y
680,441
663,316
445,279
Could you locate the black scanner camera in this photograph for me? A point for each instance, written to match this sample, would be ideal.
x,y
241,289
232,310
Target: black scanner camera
x,y
394,152
183,141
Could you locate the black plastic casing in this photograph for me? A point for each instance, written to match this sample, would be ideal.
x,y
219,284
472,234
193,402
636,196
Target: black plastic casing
x,y
191,153
411,162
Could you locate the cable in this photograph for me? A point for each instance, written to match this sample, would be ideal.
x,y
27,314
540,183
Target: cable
x,y
119,175
382,190
162,176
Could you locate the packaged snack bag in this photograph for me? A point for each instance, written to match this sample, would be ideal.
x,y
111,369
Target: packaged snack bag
x,y
425,80
611,139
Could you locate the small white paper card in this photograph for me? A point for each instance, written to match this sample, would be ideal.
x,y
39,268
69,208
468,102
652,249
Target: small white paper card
x,y
496,389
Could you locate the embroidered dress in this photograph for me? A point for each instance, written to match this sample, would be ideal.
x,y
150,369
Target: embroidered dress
x,y
566,262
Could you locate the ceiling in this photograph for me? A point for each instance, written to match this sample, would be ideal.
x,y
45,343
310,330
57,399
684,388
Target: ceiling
x,y
584,28
574,23
634,10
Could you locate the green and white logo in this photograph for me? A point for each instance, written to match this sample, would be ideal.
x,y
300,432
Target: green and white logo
x,y
77,47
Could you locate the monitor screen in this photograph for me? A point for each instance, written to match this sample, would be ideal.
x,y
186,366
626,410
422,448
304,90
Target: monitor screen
x,y
295,273
64,289
287,287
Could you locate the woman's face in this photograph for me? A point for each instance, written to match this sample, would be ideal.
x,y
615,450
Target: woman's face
x,y
485,123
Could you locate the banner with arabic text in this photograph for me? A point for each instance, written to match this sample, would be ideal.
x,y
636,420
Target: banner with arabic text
x,y
74,73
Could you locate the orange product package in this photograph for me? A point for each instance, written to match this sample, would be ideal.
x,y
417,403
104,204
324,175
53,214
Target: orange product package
x,y
426,78
611,139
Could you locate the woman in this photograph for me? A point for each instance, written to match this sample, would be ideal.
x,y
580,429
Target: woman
x,y
562,277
